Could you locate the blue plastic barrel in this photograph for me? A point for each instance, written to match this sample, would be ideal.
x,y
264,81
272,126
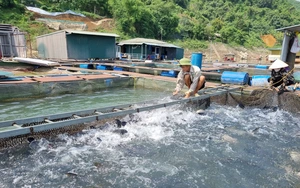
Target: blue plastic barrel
x,y
297,76
260,80
197,59
229,77
261,66
118,68
170,73
86,66
104,67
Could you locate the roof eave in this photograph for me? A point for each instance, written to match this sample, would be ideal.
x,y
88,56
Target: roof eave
x,y
293,28
92,33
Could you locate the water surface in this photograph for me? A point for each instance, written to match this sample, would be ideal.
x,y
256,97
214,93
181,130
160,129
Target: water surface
x,y
168,147
74,102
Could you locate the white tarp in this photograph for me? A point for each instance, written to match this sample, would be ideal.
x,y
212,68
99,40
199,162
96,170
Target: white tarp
x,y
41,11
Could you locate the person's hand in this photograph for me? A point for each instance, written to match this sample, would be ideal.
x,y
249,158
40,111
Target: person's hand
x,y
175,92
187,95
271,88
276,89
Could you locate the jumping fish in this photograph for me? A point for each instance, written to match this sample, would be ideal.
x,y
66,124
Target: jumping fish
x,y
30,139
70,173
120,131
120,123
200,112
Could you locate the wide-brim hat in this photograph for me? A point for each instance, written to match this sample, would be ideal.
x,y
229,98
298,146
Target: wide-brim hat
x,y
185,61
278,64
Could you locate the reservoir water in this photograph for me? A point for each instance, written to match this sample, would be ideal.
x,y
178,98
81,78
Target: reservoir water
x,y
73,102
168,147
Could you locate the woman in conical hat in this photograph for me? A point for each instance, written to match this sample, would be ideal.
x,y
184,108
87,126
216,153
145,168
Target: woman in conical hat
x,y
279,76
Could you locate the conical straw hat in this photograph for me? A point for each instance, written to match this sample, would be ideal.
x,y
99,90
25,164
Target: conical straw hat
x,y
278,64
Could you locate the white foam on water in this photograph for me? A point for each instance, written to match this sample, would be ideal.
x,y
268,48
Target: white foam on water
x,y
163,142
17,179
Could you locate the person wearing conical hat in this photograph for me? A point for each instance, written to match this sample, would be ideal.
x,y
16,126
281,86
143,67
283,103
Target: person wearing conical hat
x,y
190,76
279,76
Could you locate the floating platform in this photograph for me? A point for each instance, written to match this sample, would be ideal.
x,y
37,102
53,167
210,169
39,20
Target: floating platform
x,y
33,87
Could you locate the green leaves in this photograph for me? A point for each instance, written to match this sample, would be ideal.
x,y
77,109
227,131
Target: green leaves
x,y
239,22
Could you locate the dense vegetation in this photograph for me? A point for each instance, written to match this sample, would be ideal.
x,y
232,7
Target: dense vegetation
x,y
236,22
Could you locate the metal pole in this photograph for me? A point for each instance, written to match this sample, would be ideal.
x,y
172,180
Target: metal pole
x,y
2,53
10,45
210,49
30,45
142,51
285,46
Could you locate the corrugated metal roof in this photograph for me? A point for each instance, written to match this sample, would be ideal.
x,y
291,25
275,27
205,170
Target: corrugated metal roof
x,y
92,33
290,28
153,42
82,33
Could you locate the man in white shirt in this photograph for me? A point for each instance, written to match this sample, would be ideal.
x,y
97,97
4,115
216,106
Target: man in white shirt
x,y
190,76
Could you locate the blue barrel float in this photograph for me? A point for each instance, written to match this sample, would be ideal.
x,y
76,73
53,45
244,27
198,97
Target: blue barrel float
x,y
170,73
261,66
297,76
86,66
230,77
260,80
104,67
197,59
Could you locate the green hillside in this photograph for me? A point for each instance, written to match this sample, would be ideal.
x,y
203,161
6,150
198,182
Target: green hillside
x,y
296,3
235,22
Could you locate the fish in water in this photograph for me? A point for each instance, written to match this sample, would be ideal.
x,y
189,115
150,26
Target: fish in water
x,y
97,164
120,123
103,127
200,112
34,145
120,131
70,173
241,106
30,139
256,129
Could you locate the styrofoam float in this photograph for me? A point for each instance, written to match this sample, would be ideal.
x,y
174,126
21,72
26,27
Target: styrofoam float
x,y
39,62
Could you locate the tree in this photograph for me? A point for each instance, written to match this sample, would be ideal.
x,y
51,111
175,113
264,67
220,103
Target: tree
x,y
7,3
165,18
133,18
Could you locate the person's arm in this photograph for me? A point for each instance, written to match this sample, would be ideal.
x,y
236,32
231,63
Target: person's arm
x,y
180,83
284,79
272,80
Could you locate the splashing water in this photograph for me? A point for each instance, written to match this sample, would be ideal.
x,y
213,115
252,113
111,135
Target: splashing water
x,y
169,147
